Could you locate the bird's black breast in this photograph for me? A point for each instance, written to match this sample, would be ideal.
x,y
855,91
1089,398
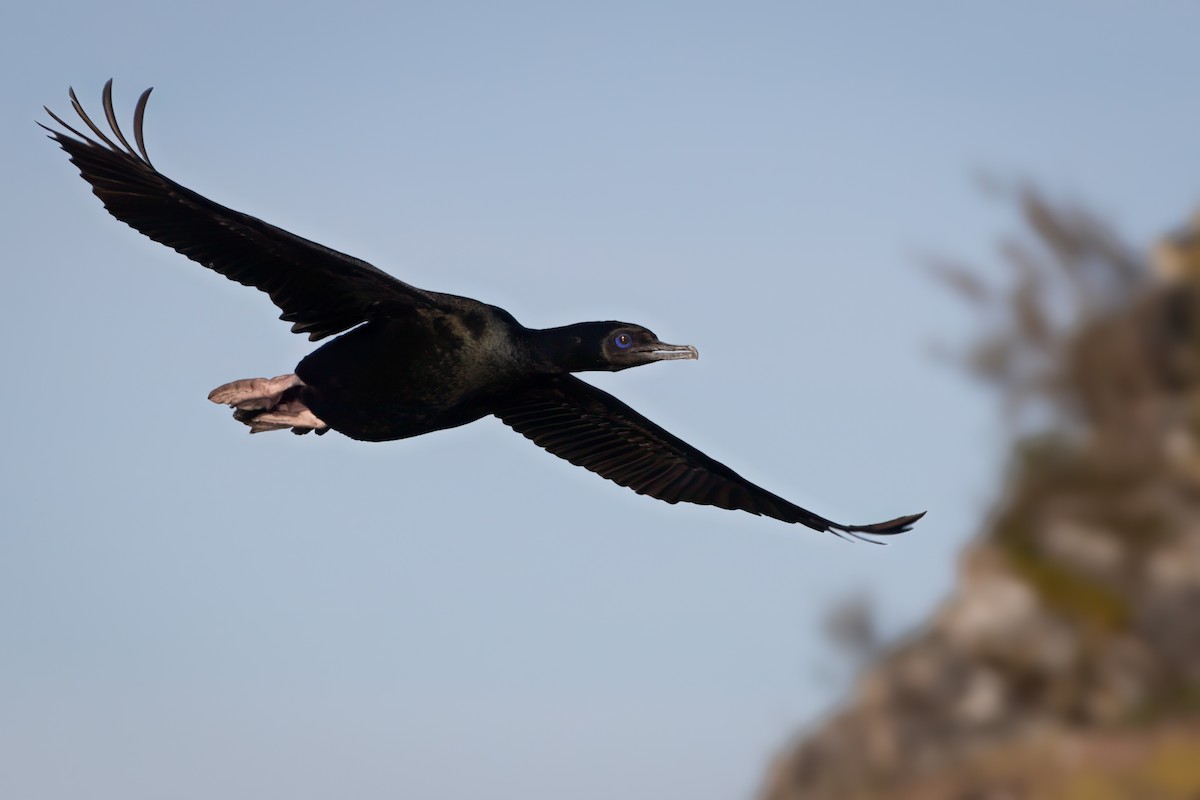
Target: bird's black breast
x,y
394,378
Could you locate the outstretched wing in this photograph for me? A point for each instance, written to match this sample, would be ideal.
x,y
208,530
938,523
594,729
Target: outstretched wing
x,y
319,290
592,429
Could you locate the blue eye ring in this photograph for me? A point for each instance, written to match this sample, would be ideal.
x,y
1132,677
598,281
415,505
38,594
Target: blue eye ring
x,y
623,340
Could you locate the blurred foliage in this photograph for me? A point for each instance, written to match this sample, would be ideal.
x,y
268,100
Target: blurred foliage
x,y
1065,272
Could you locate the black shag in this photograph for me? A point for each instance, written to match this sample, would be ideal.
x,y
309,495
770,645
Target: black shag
x,y
411,361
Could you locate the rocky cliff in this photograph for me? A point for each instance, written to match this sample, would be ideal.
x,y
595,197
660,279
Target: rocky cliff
x,y
1066,664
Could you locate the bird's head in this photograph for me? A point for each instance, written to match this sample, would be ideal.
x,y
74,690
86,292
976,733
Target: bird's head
x,y
612,346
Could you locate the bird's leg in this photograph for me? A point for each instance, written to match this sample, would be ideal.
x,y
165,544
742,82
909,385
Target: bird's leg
x,y
269,404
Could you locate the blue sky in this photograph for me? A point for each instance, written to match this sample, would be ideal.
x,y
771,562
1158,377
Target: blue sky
x,y
188,611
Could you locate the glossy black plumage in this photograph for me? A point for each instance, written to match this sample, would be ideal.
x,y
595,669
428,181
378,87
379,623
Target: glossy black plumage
x,y
417,361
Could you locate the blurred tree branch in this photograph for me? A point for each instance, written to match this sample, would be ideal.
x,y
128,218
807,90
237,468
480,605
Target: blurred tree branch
x,y
1082,337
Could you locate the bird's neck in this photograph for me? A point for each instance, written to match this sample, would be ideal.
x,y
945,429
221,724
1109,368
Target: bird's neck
x,y
564,349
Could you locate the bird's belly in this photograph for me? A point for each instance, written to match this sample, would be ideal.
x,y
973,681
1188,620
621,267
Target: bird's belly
x,y
370,386
383,415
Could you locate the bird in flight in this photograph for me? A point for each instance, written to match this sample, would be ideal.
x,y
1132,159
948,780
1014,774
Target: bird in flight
x,y
410,361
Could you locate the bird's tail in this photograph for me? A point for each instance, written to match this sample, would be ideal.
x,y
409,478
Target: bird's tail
x,y
269,404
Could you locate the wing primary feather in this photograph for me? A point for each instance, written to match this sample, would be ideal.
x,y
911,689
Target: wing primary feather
x,y
889,528
88,120
139,114
54,134
111,114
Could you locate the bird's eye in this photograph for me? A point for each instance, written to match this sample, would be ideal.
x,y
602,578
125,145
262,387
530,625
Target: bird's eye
x,y
622,340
